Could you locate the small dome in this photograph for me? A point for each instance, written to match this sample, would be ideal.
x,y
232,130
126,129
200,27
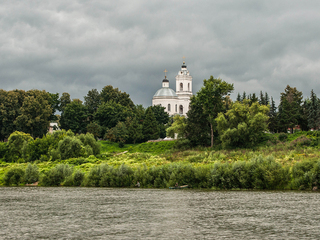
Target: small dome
x,y
165,80
165,92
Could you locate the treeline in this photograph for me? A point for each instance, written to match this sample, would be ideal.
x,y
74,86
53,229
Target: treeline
x,y
109,114
258,173
214,119
21,147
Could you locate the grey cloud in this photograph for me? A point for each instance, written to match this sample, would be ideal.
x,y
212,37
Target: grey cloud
x,y
75,46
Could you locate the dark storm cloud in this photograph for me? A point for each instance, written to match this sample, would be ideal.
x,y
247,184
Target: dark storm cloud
x,y
75,46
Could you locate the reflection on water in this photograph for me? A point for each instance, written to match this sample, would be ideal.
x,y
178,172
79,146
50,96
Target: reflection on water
x,y
105,213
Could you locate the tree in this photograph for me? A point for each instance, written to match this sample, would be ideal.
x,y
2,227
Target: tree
x,y
273,117
134,129
64,101
119,133
110,113
74,117
35,113
243,125
239,97
92,101
290,108
212,96
94,128
109,93
162,118
16,142
150,128
313,111
198,128
54,101
178,127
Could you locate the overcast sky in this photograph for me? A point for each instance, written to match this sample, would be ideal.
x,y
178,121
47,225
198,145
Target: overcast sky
x,y
75,46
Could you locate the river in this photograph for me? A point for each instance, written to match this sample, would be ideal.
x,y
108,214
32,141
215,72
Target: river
x,y
115,213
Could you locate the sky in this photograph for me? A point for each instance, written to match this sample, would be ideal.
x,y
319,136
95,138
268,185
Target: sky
x,y
76,46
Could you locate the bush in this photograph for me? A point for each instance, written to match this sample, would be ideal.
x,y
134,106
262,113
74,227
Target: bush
x,y
31,174
283,137
14,176
71,147
56,175
78,177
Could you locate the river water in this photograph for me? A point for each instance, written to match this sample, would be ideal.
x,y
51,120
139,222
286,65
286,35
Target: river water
x,y
114,213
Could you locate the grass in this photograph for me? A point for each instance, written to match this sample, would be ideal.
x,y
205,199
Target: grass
x,y
297,147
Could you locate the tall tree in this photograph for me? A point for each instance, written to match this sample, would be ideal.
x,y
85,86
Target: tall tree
x,y
150,126
35,113
290,108
162,118
92,101
212,97
109,93
54,101
74,117
239,97
313,111
198,127
64,100
273,120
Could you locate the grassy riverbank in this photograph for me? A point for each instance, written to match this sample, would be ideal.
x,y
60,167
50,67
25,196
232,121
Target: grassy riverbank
x,y
281,162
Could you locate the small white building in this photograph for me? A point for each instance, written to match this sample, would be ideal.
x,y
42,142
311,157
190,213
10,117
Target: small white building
x,y
175,102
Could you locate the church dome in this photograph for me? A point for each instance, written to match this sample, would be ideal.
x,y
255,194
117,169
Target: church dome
x,y
165,92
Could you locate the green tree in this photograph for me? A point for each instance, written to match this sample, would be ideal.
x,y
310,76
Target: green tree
x,y
134,130
109,93
16,142
273,117
212,97
162,118
198,128
94,128
64,101
290,108
313,111
110,113
31,173
92,101
35,113
119,133
243,125
178,127
150,126
74,117
54,101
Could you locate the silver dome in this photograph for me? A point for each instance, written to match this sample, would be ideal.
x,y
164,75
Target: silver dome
x,y
165,92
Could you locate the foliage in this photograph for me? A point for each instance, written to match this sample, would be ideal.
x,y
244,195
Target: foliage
x,y
94,128
150,126
74,117
14,176
110,94
178,127
243,125
16,142
118,134
57,175
92,101
31,173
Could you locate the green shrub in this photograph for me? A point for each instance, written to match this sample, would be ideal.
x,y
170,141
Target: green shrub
x,y
57,175
78,177
283,137
31,173
14,176
70,147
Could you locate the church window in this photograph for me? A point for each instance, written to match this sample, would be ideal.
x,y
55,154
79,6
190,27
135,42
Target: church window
x,y
169,107
176,108
181,86
188,87
181,109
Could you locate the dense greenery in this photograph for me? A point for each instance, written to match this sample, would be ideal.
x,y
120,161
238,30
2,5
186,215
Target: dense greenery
x,y
283,161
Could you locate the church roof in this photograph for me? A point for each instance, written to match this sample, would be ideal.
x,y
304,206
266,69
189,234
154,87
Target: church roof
x,y
166,93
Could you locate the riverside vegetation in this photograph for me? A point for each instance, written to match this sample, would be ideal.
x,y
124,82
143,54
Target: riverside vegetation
x,y
282,161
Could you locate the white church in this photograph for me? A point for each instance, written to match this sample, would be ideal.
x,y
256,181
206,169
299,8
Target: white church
x,y
175,102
